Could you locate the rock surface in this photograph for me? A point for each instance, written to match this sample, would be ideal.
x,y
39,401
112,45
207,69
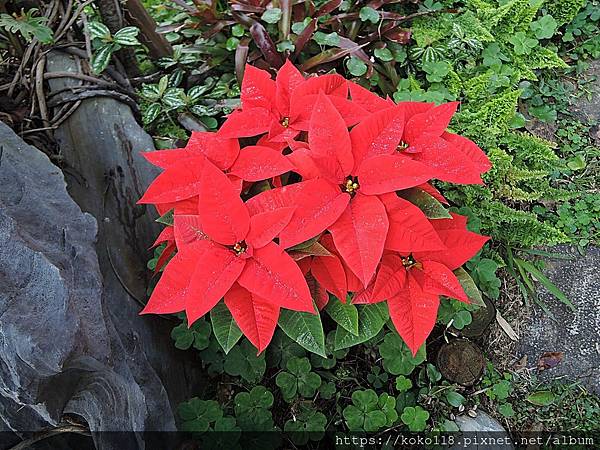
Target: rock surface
x,y
587,109
71,339
479,427
576,334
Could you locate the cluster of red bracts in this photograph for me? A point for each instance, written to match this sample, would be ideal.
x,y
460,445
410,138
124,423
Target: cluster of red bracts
x,y
320,183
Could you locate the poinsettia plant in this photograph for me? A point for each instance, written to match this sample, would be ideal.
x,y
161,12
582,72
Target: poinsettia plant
x,y
314,191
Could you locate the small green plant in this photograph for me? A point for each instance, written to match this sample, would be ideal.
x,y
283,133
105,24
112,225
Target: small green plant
x,y
298,379
29,25
369,412
105,43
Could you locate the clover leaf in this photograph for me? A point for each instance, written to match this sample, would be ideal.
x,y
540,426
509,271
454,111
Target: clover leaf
x,y
415,418
308,424
298,379
544,27
197,335
356,67
257,401
397,359
198,414
369,412
227,435
403,384
436,70
368,14
242,361
271,15
522,43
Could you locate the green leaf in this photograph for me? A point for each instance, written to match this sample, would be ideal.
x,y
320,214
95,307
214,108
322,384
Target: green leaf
x,y
462,319
577,163
331,39
384,54
271,15
242,361
98,30
356,66
298,379
304,328
541,398
232,43
403,384
167,218
430,206
506,410
454,398
415,418
101,58
344,314
550,287
523,45
436,70
127,36
237,30
368,14
397,358
197,335
469,287
285,46
151,113
198,414
544,27
224,327
257,401
371,319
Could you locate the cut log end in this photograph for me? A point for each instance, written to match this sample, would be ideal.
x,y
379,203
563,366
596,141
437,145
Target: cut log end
x,y
461,361
482,318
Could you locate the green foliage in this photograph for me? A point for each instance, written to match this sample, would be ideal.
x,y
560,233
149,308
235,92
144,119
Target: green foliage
x,y
397,359
298,379
28,25
368,412
415,418
197,335
243,362
105,44
307,424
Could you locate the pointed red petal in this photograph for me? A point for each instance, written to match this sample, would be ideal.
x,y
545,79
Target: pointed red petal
x,y
440,280
366,99
330,84
445,161
379,134
390,279
409,229
413,313
223,215
171,293
354,284
179,181
329,141
165,158
167,234
246,123
187,206
164,256
222,152
433,122
256,317
319,204
470,149
260,163
329,272
258,89
264,141
457,222
389,173
359,235
461,244
303,164
215,273
264,227
188,229
274,276
288,79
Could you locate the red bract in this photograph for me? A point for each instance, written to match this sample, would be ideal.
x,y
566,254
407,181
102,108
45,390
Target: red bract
x,y
309,207
223,245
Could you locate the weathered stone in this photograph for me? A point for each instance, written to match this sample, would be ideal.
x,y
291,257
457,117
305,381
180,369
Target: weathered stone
x,y
483,426
575,333
587,107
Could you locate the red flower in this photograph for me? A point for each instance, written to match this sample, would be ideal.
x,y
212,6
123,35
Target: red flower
x,y
412,282
282,107
356,173
183,168
223,245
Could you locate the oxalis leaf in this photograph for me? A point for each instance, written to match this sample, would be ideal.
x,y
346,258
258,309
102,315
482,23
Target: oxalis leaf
x,y
371,319
304,328
344,314
224,327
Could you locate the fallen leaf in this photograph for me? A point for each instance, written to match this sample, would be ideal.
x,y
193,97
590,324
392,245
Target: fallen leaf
x,y
549,360
506,327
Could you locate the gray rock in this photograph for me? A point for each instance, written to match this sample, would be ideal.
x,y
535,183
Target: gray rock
x,y
576,334
477,430
587,108
71,338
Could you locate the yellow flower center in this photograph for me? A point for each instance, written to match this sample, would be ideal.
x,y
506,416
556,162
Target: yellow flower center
x,y
240,248
410,262
351,186
402,146
285,122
